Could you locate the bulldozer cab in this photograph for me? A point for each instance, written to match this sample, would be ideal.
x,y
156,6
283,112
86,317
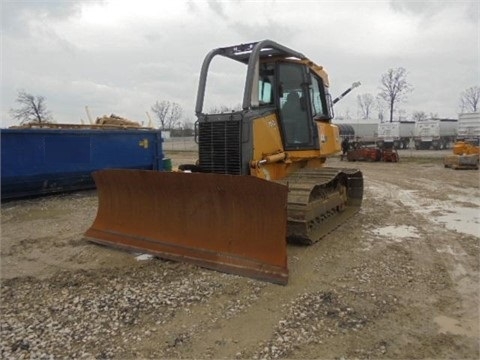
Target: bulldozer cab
x,y
283,81
301,99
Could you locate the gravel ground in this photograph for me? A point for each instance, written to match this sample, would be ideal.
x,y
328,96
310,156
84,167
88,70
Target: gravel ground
x,y
399,280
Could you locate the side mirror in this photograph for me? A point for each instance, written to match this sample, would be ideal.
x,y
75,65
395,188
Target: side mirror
x,y
328,98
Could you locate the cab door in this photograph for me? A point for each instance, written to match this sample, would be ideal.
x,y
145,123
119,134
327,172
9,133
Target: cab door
x,y
295,113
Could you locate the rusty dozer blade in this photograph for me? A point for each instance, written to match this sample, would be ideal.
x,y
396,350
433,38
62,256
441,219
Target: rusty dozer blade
x,y
233,224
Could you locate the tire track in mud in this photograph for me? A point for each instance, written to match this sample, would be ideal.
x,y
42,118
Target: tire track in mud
x,y
439,247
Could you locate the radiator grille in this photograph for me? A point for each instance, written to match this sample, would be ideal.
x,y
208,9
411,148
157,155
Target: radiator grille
x,y
220,147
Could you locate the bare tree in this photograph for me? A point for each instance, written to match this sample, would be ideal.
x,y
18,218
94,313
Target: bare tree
x,y
419,116
168,114
32,109
365,103
394,88
222,109
469,99
217,109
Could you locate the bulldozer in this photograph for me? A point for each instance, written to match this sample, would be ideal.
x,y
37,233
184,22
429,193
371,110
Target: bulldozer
x,y
465,155
260,180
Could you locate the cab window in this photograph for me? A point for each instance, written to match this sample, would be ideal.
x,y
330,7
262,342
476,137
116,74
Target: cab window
x,y
317,94
265,85
265,92
297,125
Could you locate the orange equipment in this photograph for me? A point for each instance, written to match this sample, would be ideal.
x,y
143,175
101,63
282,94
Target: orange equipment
x,y
364,153
260,177
372,153
465,155
390,155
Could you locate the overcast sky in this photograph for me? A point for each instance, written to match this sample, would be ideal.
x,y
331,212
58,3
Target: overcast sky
x,y
122,56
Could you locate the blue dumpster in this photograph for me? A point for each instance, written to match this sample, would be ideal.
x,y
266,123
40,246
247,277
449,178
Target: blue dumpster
x,y
44,161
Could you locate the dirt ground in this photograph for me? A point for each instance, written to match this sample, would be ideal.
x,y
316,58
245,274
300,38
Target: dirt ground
x,y
399,280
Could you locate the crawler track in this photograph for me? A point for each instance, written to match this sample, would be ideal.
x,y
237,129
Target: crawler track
x,y
319,200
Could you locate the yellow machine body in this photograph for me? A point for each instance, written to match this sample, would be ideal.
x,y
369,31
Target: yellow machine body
x,y
465,148
465,156
279,163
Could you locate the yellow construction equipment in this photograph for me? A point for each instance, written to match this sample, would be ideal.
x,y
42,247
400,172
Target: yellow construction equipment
x,y
466,148
465,155
260,178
